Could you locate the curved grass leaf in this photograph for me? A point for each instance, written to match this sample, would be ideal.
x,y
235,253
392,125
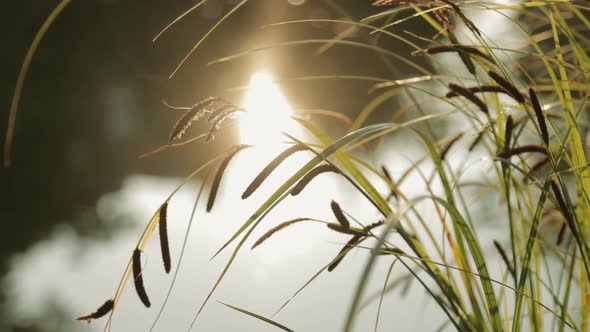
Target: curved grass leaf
x,y
20,81
463,229
262,318
527,257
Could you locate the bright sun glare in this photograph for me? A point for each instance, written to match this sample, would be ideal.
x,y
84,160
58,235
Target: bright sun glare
x,y
267,112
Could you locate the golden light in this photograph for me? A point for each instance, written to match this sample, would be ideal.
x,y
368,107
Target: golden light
x,y
267,113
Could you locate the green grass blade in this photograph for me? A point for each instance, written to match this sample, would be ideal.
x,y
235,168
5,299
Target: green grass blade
x,y
527,257
385,282
20,81
262,318
206,35
464,230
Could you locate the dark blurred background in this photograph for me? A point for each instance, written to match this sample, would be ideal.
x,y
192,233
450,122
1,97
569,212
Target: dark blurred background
x,y
92,101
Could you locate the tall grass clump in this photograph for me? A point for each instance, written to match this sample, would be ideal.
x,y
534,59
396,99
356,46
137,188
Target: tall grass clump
x,y
522,113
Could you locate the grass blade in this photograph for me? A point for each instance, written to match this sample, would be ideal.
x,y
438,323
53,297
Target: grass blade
x,y
262,318
20,81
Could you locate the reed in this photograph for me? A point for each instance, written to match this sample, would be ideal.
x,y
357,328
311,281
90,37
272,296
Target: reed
x,y
505,258
219,174
539,115
469,96
312,174
342,220
138,279
509,87
275,229
104,309
520,150
164,245
194,113
452,267
268,169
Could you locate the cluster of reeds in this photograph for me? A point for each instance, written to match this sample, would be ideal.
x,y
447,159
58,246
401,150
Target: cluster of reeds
x,y
528,115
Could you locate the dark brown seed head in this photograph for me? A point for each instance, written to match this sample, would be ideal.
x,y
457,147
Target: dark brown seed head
x,y
452,48
563,207
476,140
505,259
450,142
521,149
266,171
539,114
380,3
101,311
164,246
465,58
219,110
479,89
391,184
339,215
540,164
510,88
311,175
346,230
275,229
194,113
459,13
508,132
470,96
373,225
218,121
386,173
219,174
138,278
356,239
388,251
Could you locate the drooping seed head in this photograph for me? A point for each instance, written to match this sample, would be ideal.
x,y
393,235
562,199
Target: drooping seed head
x,y
510,88
219,174
266,171
462,91
164,245
539,115
104,309
138,278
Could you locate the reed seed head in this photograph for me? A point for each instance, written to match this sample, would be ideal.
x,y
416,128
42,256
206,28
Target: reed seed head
x,y
520,150
479,89
505,259
164,245
311,175
356,239
192,114
510,88
339,215
275,229
451,141
104,309
219,174
508,132
138,278
462,91
539,115
266,171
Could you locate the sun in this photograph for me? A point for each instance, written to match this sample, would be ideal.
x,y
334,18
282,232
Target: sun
x,y
268,112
